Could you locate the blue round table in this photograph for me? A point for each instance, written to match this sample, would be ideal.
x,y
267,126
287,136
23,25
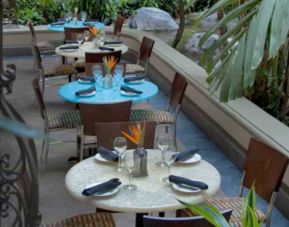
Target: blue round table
x,y
106,96
73,24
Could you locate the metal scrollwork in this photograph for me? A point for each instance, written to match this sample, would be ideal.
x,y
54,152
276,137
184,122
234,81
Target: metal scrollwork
x,y
19,192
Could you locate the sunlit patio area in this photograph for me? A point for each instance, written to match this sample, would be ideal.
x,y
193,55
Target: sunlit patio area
x,y
106,122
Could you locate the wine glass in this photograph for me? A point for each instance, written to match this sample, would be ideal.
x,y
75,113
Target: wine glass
x,y
163,142
101,35
120,145
69,16
97,73
117,74
83,15
79,39
129,166
86,35
170,156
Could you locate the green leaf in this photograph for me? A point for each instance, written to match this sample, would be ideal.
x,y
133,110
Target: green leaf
x,y
230,18
261,26
279,27
210,213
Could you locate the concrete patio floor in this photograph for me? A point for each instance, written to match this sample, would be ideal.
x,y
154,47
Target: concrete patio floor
x,y
55,202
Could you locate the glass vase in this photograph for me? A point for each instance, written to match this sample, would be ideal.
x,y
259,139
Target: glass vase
x,y
107,81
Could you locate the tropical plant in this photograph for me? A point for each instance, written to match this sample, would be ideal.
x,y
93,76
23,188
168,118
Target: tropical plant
x,y
213,215
253,59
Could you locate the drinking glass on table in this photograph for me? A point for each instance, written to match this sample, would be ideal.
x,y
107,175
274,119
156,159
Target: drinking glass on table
x,y
97,73
163,142
120,145
79,39
83,15
117,74
101,35
86,35
68,16
129,167
170,156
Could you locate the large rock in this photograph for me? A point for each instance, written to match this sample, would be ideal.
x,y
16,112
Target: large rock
x,y
192,45
149,18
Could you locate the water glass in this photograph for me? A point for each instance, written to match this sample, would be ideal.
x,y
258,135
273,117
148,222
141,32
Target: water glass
x,y
170,156
120,145
129,167
68,16
86,35
83,15
97,73
163,142
101,35
117,74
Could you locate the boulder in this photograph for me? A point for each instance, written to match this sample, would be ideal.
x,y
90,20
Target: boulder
x,y
153,19
192,45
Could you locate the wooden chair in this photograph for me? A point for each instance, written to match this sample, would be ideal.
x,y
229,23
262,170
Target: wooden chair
x,y
92,58
117,27
43,46
197,221
59,71
144,55
264,168
91,114
54,122
70,33
106,132
168,117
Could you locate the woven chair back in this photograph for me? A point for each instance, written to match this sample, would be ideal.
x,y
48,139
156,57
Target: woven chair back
x,y
196,221
264,168
106,132
178,89
91,114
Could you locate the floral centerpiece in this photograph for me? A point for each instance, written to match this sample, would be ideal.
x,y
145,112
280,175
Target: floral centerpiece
x,y
136,134
93,30
108,65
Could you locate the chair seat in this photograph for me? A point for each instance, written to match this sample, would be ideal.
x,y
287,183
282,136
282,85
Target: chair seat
x,y
236,204
160,117
85,220
60,70
133,68
68,119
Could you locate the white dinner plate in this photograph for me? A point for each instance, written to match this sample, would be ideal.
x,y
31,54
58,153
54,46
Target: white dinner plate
x,y
84,81
98,157
88,95
185,189
128,93
136,82
109,193
196,158
114,45
70,50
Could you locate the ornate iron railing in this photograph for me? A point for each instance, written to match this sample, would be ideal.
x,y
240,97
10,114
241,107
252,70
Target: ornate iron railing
x,y
18,167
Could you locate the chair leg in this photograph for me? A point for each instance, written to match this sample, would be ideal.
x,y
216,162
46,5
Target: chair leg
x,y
46,154
175,136
42,149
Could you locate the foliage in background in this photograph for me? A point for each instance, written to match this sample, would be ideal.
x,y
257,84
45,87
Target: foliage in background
x,y
213,215
255,62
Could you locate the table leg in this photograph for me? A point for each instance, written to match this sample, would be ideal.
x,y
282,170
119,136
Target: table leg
x,y
161,214
139,219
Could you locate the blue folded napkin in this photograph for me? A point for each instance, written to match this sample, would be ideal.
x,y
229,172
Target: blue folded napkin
x,y
69,47
133,78
108,154
185,155
102,188
112,42
184,181
86,78
85,91
106,48
130,90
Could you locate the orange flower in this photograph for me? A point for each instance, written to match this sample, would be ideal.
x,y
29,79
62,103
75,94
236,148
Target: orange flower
x,y
93,30
136,134
109,63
